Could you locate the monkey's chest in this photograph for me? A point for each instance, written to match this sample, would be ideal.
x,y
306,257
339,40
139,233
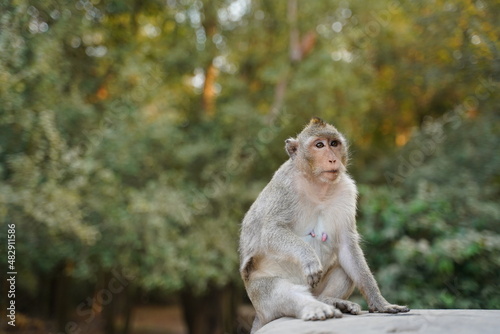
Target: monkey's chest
x,y
321,236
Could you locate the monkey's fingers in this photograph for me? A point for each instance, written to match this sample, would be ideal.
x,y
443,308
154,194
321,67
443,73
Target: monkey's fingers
x,y
313,273
398,309
319,311
348,307
313,279
391,308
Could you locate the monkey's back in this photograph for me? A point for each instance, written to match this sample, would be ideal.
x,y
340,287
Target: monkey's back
x,y
267,205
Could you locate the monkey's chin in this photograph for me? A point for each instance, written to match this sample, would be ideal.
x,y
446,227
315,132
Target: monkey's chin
x,y
331,177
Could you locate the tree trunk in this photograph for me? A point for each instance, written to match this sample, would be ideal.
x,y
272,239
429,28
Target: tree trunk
x,y
209,90
62,288
211,313
211,72
299,48
118,313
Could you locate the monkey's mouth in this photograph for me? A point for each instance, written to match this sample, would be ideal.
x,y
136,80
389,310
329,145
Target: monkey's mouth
x,y
333,171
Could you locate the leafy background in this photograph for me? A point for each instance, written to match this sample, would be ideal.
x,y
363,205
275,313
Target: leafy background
x,y
134,135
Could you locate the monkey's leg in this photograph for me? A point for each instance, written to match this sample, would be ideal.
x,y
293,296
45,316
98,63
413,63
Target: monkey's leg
x,y
337,289
275,297
352,260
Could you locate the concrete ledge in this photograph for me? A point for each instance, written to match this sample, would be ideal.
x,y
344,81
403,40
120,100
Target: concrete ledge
x,y
416,321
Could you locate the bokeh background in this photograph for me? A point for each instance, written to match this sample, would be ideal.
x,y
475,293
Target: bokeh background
x,y
135,134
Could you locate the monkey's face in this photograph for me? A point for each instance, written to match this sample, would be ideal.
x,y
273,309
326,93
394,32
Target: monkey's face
x,y
324,156
319,151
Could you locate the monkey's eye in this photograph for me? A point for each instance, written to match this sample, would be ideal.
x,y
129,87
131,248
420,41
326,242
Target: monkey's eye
x,y
335,143
320,145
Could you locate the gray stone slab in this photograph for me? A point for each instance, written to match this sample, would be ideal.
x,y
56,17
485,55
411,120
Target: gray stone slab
x,y
416,321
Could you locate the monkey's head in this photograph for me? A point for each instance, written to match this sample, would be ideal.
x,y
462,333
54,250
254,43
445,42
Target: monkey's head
x,y
319,151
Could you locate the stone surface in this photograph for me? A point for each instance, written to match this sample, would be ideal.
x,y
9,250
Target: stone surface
x,y
416,321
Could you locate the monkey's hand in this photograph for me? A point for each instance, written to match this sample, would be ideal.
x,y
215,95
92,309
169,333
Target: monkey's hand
x,y
313,271
388,308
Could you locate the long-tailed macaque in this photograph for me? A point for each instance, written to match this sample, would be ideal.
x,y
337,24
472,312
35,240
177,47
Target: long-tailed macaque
x,y
299,246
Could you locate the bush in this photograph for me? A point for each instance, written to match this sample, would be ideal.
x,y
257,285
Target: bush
x,y
437,233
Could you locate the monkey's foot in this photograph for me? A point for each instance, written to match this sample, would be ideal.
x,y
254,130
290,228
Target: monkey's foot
x,y
389,308
344,306
319,311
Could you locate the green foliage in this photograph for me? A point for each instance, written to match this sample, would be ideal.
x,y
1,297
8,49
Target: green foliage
x,y
438,236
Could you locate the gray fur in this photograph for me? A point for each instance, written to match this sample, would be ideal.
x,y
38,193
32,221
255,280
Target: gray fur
x,y
286,270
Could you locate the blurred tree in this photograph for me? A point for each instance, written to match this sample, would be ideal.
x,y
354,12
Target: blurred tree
x,y
109,179
442,229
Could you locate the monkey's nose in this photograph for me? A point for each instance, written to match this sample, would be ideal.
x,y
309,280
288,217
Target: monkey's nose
x,y
332,161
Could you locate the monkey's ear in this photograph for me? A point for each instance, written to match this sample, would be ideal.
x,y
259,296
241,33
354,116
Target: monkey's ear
x,y
291,146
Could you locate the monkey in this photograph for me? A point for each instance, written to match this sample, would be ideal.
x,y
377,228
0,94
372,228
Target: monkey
x,y
299,246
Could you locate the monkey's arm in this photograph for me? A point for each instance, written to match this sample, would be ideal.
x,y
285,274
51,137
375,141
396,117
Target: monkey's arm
x,y
353,262
279,239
